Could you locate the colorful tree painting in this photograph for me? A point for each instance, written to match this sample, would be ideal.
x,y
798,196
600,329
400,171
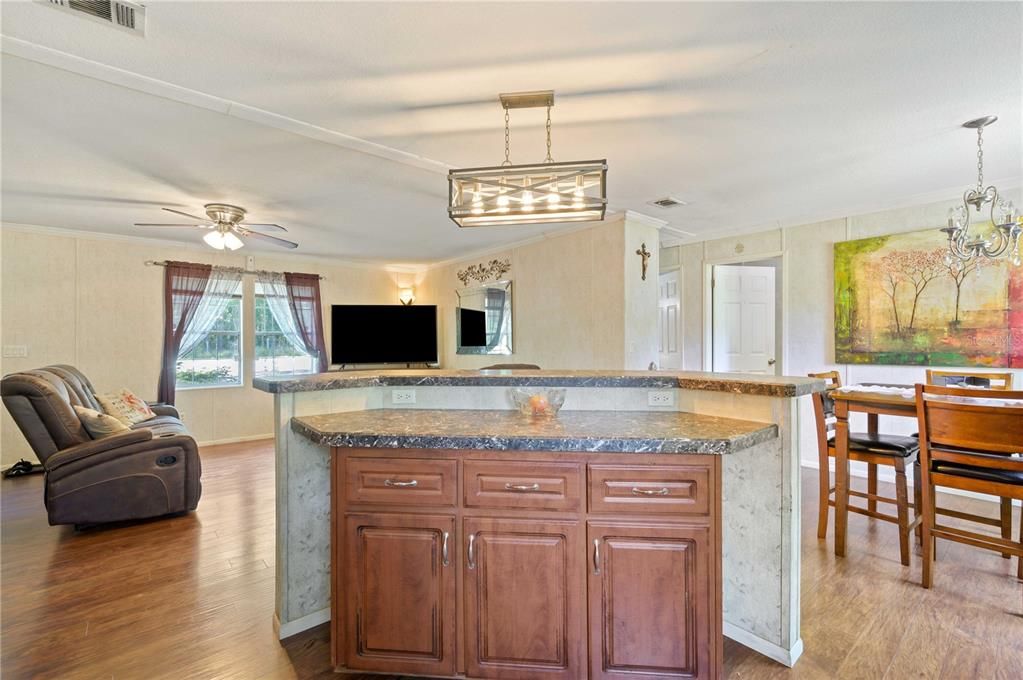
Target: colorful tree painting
x,y
898,301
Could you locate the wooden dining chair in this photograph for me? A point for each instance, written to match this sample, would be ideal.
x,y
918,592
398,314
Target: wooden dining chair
x,y
967,442
995,380
893,451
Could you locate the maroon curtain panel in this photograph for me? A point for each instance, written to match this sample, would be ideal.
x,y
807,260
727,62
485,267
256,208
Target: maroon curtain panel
x,y
183,287
304,298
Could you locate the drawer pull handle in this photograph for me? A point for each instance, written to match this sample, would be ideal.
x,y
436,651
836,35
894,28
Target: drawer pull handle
x,y
471,552
444,550
522,487
391,482
596,556
663,491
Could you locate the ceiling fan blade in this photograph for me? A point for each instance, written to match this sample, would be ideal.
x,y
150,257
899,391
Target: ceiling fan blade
x,y
155,224
266,237
191,217
253,225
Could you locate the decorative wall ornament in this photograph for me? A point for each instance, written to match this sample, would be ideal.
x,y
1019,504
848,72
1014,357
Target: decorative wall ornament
x,y
482,273
898,300
645,254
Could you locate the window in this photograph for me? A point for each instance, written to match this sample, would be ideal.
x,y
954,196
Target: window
x,y
216,361
275,354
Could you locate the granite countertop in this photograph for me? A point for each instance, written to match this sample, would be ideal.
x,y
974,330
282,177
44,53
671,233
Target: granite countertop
x,y
592,431
739,383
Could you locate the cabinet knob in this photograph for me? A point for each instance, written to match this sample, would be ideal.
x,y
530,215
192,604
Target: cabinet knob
x,y
444,550
596,556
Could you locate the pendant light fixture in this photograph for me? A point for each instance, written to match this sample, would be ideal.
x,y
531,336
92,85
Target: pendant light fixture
x,y
507,194
1005,228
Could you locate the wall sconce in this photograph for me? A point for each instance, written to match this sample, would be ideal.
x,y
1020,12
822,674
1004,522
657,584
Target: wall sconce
x,y
406,296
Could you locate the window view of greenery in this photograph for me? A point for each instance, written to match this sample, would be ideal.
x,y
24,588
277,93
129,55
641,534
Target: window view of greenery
x,y
217,359
274,354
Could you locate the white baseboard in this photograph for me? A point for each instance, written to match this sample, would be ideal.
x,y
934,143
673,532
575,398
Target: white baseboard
x,y
286,630
786,657
886,474
236,440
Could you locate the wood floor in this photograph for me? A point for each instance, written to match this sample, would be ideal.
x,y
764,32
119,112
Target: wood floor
x,y
192,596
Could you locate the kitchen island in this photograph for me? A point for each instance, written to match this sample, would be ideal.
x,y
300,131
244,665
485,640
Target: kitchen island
x,y
757,467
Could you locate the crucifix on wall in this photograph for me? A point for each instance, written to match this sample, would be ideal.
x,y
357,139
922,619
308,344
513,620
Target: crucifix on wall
x,y
645,254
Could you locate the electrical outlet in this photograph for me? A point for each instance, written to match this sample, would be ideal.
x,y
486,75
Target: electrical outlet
x,y
403,397
660,398
15,351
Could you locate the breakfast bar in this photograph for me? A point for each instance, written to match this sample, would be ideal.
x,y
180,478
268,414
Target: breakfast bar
x,y
435,468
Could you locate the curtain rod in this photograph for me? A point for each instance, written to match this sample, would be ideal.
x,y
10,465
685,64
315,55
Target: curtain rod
x,y
163,263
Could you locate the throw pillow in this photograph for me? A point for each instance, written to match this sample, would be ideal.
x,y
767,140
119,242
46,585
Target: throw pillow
x,y
99,424
125,406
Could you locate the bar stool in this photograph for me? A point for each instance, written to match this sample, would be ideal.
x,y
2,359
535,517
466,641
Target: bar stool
x,y
893,451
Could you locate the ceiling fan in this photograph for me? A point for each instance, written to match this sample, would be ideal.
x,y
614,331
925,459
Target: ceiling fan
x,y
227,227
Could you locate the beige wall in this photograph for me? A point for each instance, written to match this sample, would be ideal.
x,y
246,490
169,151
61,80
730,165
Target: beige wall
x,y
578,301
91,302
807,278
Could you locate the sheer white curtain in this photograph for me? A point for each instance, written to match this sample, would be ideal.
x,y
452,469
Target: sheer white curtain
x,y
275,291
221,287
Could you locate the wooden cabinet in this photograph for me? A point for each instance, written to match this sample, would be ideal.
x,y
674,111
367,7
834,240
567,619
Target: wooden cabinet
x,y
648,600
400,593
524,605
521,566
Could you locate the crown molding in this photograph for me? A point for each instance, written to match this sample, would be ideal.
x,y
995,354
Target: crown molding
x,y
1008,185
398,267
64,61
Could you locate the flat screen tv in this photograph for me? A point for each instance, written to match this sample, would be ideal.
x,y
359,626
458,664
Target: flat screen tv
x,y
383,334
472,327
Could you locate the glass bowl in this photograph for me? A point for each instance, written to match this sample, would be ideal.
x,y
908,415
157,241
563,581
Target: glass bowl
x,y
538,402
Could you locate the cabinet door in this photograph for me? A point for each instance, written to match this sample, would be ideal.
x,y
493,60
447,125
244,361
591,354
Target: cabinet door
x,y
524,607
650,601
401,598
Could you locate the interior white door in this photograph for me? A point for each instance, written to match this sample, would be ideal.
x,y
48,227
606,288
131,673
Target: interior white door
x,y
669,322
743,321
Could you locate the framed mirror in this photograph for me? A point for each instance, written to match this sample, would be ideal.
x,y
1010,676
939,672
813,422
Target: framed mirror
x,y
483,319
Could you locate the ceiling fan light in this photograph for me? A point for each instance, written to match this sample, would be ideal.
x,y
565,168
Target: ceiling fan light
x,y
232,241
214,239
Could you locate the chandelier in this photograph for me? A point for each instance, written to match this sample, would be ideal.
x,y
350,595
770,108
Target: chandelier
x,y
1004,238
509,194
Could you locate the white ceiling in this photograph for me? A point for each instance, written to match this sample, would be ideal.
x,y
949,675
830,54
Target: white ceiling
x,y
756,114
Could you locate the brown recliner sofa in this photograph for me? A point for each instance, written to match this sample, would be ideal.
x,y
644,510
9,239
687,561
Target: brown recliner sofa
x,y
151,470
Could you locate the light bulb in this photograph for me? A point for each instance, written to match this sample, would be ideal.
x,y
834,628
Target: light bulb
x,y
502,199
552,197
232,241
477,201
214,239
577,201
527,197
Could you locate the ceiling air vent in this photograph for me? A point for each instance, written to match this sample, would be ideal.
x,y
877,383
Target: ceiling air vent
x,y
127,16
668,202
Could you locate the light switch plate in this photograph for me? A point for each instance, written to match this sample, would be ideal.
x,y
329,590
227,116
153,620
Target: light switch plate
x,y
15,351
403,397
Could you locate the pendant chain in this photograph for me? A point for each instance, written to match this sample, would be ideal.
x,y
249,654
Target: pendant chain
x,y
549,159
980,159
507,138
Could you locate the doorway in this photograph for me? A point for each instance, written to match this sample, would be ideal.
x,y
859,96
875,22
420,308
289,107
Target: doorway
x,y
669,321
745,317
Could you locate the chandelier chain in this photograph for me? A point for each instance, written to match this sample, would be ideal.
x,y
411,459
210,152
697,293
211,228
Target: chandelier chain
x,y
980,159
549,159
507,138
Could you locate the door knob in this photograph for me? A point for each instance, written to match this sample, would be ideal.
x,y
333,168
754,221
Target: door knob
x,y
771,362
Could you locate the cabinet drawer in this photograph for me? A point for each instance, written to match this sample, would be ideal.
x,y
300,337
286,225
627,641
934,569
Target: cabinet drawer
x,y
650,489
528,486
401,481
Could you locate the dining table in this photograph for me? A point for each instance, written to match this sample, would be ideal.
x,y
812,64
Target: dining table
x,y
874,399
